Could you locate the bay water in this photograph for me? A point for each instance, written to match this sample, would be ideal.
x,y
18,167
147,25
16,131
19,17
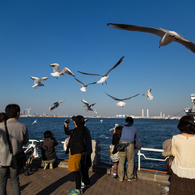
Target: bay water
x,y
152,132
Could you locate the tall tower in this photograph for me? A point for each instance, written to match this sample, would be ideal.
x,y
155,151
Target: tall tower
x,y
147,112
142,112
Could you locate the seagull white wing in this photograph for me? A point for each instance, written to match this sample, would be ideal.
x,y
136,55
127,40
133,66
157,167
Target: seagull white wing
x,y
43,78
85,102
55,67
115,65
67,71
60,101
34,78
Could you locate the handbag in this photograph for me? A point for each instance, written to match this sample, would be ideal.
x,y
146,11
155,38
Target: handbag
x,y
18,160
114,157
121,147
169,163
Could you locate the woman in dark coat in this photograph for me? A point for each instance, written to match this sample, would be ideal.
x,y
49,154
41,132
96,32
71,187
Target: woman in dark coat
x,y
75,149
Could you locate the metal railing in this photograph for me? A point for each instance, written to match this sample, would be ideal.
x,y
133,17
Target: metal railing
x,y
139,154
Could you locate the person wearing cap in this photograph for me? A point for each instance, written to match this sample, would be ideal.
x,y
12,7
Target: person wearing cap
x,y
75,149
128,136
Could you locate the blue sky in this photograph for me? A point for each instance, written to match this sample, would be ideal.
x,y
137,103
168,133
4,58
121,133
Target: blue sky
x,y
75,34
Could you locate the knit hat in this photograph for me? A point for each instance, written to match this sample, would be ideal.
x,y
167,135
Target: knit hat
x,y
167,144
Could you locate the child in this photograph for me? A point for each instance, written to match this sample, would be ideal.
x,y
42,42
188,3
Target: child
x,y
48,149
115,140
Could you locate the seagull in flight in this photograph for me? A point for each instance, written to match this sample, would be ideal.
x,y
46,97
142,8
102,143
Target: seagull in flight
x,y
167,36
37,81
121,103
83,89
55,105
149,94
56,72
87,106
105,76
35,121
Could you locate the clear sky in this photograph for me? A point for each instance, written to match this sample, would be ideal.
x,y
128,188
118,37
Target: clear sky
x,y
34,34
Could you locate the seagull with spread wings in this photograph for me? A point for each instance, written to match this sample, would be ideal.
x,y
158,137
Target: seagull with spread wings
x,y
83,89
56,72
37,81
55,105
167,36
121,102
149,94
105,76
87,106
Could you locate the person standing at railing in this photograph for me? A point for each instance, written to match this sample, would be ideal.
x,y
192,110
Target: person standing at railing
x,y
128,137
75,149
115,140
183,165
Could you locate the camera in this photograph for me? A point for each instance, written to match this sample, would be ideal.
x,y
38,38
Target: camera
x,y
67,121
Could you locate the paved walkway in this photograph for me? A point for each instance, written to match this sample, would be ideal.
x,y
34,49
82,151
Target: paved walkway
x,y
60,181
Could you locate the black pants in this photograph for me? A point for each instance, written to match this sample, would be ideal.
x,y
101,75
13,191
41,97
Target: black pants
x,y
85,165
77,179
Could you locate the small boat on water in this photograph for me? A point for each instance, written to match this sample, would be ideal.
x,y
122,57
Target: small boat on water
x,y
191,111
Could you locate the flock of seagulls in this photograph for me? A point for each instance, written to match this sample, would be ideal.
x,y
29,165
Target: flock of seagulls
x,y
167,37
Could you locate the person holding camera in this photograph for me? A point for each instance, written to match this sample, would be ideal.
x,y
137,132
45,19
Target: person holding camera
x,y
75,149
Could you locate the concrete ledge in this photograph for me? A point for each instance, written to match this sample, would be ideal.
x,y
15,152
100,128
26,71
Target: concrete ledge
x,y
105,168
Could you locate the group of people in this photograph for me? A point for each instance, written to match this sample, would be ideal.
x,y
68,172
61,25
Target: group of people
x,y
15,134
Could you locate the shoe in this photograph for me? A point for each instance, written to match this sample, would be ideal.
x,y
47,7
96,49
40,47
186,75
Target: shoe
x,y
165,190
51,166
84,186
125,178
120,179
45,166
114,176
75,192
129,179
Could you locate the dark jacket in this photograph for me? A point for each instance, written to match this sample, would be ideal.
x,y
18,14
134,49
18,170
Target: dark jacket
x,y
115,141
76,142
48,148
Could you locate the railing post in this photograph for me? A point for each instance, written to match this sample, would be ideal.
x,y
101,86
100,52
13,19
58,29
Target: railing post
x,y
139,160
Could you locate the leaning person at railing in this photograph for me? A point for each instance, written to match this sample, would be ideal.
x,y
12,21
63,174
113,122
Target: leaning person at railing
x,y
183,165
47,147
128,137
114,154
75,149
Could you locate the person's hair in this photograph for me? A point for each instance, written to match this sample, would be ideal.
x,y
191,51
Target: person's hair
x,y
3,117
11,110
47,134
81,119
186,125
129,120
118,131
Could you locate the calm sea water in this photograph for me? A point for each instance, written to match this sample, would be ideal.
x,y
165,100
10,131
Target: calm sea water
x,y
152,132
